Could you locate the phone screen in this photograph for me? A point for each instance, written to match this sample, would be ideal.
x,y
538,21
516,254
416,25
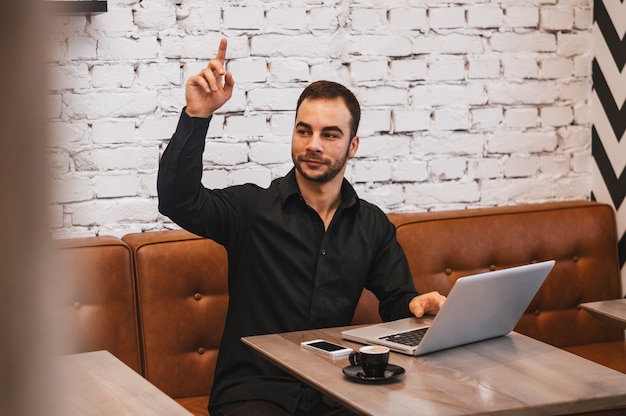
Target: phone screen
x,y
326,346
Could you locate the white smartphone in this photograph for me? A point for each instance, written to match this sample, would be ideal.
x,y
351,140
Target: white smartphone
x,y
326,348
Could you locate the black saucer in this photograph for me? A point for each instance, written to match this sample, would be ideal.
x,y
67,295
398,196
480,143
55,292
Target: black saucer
x,y
355,373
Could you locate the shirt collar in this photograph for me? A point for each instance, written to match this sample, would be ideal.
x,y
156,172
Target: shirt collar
x,y
289,188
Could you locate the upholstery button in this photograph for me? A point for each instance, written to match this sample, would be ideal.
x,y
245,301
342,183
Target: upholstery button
x,y
575,259
200,350
537,312
197,296
492,267
323,252
448,271
77,305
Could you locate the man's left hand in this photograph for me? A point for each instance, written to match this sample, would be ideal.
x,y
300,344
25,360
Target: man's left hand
x,y
427,303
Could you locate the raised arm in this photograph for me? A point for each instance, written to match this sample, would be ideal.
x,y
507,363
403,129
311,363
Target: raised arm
x,y
182,197
208,90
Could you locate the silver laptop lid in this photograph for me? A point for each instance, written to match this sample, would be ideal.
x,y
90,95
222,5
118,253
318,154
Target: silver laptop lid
x,y
479,307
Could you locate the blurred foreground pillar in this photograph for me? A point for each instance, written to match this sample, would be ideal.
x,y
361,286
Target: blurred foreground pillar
x,y
24,343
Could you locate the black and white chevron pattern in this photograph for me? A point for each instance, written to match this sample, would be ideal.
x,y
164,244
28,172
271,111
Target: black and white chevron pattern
x,y
609,113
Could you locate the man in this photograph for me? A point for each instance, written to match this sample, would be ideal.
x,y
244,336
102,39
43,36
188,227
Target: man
x,y
300,252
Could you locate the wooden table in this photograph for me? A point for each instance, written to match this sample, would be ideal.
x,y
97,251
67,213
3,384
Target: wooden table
x,y
97,383
511,375
611,311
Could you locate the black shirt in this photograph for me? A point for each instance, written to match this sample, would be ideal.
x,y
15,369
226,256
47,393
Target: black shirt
x,y
285,271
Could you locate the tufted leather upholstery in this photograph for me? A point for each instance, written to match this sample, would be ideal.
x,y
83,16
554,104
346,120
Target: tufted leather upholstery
x,y
180,286
183,297
580,236
96,293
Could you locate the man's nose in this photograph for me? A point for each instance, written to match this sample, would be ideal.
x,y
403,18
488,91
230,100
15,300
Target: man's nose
x,y
314,143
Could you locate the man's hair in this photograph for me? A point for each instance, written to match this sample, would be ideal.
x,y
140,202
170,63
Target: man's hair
x,y
328,90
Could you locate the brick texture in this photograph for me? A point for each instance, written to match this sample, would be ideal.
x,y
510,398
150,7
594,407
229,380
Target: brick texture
x,y
465,104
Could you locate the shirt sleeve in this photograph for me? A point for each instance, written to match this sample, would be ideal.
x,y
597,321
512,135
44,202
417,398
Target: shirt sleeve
x,y
391,280
182,197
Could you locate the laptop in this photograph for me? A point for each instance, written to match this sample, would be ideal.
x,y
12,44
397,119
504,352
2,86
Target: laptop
x,y
478,307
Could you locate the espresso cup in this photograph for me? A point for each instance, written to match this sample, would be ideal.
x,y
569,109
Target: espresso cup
x,y
372,358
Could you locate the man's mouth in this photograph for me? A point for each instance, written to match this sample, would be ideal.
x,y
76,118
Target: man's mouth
x,y
312,162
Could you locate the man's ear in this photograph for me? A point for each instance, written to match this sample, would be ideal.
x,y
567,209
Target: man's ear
x,y
354,146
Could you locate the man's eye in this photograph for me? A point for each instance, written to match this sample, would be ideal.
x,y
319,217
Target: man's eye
x,y
302,132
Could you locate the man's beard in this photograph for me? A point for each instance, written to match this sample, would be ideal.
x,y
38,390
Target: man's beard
x,y
330,174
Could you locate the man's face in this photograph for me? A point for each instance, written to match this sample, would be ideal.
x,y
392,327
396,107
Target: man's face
x,y
321,142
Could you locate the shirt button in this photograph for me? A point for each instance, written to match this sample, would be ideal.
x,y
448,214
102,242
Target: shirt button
x,y
323,252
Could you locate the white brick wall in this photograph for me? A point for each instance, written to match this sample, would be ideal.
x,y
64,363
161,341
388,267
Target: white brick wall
x,y
465,104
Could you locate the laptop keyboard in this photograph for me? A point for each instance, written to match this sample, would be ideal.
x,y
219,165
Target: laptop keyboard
x,y
410,338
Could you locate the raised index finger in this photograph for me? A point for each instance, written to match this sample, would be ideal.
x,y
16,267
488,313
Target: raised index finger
x,y
221,52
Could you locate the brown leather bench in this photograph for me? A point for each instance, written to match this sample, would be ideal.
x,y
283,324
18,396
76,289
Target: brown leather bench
x,y
181,287
97,299
580,236
183,296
